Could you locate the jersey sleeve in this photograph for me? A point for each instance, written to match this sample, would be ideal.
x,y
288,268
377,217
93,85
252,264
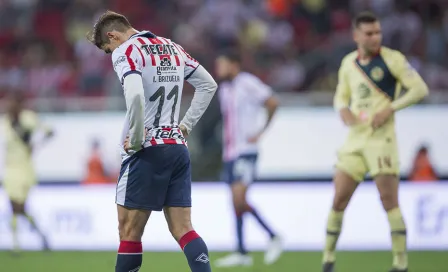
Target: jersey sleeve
x,y
342,96
409,79
258,89
126,61
31,121
190,63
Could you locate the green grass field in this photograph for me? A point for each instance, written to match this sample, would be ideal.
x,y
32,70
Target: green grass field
x,y
175,262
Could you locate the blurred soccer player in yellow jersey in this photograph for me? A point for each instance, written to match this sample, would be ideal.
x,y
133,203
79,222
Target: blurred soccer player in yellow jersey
x,y
367,97
19,126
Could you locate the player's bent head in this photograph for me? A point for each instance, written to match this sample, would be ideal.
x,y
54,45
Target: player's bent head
x,y
367,31
228,64
109,31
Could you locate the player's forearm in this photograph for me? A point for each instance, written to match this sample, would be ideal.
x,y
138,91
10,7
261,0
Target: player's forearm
x,y
271,105
411,97
135,104
205,88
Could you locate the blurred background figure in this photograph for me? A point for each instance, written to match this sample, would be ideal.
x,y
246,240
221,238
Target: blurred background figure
x,y
95,170
243,99
422,168
19,126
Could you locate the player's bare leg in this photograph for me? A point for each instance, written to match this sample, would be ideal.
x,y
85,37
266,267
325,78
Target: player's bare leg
x,y
18,209
194,248
131,225
241,207
344,186
388,189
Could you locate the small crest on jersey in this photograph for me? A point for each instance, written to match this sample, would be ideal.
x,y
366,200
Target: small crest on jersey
x,y
363,90
377,73
165,62
119,60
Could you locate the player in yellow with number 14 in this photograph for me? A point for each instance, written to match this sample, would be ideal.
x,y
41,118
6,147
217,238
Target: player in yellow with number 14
x,y
19,126
367,96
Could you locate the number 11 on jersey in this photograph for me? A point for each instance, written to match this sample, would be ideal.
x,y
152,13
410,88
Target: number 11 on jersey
x,y
160,94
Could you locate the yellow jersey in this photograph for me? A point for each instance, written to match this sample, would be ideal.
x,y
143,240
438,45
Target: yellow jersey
x,y
368,88
18,136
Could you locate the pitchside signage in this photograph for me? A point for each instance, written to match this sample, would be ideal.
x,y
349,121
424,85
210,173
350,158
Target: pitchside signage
x,y
300,143
84,218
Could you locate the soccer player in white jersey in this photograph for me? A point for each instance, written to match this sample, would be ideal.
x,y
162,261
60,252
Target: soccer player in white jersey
x,y
155,173
243,97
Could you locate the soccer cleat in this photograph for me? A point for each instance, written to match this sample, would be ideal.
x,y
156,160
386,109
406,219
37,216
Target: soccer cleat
x,y
328,267
275,249
398,270
234,259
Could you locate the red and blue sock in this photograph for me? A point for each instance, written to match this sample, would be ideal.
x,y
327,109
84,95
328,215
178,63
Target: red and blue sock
x,y
196,252
129,257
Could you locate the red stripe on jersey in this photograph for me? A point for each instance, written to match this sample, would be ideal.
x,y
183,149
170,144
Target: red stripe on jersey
x,y
175,56
177,60
161,49
169,141
155,41
153,59
153,141
141,54
189,65
128,56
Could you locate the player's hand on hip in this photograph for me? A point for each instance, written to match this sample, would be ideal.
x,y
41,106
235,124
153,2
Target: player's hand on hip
x,y
127,145
381,117
128,148
184,130
255,138
348,117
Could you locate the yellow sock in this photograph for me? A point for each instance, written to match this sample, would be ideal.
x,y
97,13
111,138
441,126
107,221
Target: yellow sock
x,y
334,226
398,233
15,239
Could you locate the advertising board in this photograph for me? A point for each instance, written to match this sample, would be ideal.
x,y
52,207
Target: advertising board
x,y
84,218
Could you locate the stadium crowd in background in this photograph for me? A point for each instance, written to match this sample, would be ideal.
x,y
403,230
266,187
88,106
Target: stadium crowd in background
x,y
285,42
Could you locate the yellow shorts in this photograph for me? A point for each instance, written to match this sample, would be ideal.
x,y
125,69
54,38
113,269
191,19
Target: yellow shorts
x,y
17,183
375,159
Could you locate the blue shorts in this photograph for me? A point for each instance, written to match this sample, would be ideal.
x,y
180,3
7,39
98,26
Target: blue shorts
x,y
241,169
155,177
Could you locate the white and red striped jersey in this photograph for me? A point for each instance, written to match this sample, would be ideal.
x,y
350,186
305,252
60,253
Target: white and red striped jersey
x,y
163,65
242,107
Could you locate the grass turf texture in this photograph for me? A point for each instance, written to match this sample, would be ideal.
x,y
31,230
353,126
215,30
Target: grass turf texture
x,y
175,262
